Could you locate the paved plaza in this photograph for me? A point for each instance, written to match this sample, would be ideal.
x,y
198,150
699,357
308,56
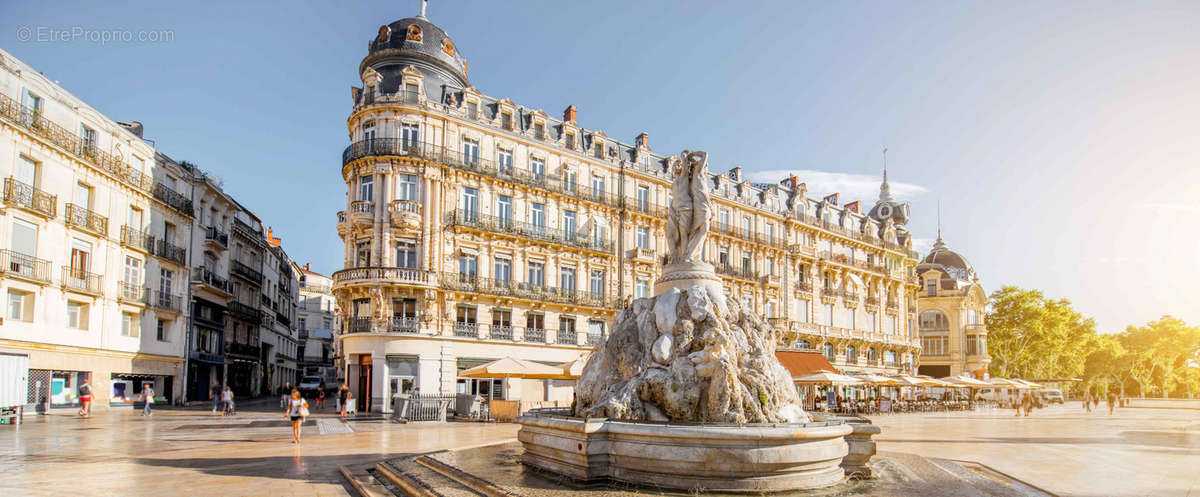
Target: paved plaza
x,y
1139,451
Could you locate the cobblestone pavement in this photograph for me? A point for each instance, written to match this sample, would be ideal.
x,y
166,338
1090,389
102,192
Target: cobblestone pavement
x,y
1063,449
1139,451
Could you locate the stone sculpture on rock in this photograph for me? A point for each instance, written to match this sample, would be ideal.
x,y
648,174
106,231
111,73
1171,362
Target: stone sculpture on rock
x,y
690,353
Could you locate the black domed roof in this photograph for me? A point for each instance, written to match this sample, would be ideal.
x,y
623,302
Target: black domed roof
x,y
947,261
418,42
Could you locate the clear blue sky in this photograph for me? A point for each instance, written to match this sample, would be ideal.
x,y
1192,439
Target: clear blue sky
x,y
1062,139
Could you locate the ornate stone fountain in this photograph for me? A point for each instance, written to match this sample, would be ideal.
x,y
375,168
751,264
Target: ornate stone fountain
x,y
686,392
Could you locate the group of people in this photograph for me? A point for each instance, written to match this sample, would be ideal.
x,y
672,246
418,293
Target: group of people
x,y
85,398
1113,399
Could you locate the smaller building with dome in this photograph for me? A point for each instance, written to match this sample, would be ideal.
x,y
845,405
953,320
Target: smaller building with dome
x,y
951,306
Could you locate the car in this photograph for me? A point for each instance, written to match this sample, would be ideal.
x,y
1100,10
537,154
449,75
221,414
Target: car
x,y
309,384
1051,395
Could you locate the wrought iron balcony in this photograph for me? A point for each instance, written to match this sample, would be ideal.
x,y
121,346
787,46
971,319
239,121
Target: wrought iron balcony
x,y
534,335
505,288
214,235
594,339
136,239
404,324
18,194
242,349
251,234
500,332
493,224
804,286
732,271
398,147
752,236
568,337
892,304
132,292
245,312
466,330
642,207
80,280
170,252
86,220
245,271
35,122
358,324
173,199
850,296
380,274
831,292
208,277
13,263
166,302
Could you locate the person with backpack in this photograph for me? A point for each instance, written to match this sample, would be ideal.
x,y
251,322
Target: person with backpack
x,y
147,396
85,398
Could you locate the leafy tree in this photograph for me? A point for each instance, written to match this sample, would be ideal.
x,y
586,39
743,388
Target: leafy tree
x,y
1031,336
1161,351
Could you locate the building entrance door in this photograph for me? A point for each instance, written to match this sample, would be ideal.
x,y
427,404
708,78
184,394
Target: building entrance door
x,y
364,383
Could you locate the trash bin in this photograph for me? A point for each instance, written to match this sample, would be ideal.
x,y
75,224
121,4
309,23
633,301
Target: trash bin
x,y
400,403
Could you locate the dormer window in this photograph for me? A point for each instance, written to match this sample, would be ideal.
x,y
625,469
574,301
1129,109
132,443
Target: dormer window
x,y
539,131
414,33
506,120
598,150
570,141
472,110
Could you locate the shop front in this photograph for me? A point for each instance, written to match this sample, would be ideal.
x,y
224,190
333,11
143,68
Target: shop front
x,y
127,388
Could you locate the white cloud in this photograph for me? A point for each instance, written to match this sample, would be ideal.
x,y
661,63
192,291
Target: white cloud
x,y
851,186
923,245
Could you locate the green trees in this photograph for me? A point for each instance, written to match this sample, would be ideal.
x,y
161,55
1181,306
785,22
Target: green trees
x,y
1030,336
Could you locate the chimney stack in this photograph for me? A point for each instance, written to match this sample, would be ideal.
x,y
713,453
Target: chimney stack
x,y
570,114
643,140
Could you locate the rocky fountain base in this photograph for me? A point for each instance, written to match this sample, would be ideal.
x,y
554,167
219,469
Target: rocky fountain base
x,y
686,393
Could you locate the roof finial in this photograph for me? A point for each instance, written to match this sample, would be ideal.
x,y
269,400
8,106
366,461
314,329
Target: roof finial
x,y
423,4
939,244
885,190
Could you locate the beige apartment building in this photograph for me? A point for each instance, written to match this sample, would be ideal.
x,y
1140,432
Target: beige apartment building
x,y
476,228
93,257
952,305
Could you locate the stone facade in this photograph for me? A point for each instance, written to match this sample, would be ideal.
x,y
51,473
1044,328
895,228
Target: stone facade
x,y
476,229
952,306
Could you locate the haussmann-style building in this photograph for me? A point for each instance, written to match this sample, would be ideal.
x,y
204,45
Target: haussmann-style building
x,y
476,228
952,306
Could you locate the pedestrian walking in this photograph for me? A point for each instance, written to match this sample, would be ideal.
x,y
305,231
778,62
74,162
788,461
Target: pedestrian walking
x,y
147,398
1112,402
285,395
296,411
1087,401
85,398
227,402
320,397
343,391
214,394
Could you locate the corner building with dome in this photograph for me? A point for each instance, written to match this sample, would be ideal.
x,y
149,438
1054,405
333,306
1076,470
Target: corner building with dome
x,y
951,323
477,229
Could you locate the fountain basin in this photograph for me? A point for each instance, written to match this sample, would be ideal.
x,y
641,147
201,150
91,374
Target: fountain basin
x,y
694,457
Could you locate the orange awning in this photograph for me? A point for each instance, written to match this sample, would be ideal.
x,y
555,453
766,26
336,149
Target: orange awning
x,y
802,363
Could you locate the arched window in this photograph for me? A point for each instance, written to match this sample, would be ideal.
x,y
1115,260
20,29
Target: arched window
x,y
934,320
851,355
829,354
870,354
802,344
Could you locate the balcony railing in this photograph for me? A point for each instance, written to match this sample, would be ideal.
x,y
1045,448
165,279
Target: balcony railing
x,y
873,300
503,288
13,263
381,274
166,302
534,335
317,288
730,230
500,332
245,312
245,271
831,292
568,337
249,233
136,239
86,220
737,272
403,324
466,330
215,235
362,207
35,122
593,339
82,281
892,304
398,147
358,324
173,199
170,252
804,286
495,224
243,349
132,292
27,197
406,206
647,208
206,276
